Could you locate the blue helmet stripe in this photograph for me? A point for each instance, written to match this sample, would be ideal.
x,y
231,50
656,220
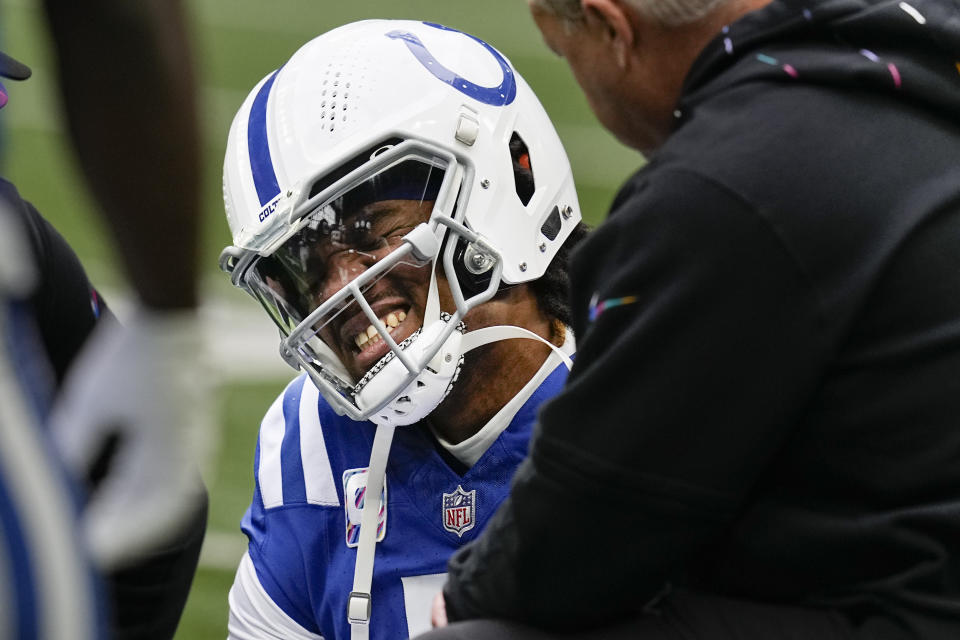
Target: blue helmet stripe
x,y
261,164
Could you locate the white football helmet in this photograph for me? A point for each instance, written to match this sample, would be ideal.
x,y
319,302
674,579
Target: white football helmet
x,y
431,121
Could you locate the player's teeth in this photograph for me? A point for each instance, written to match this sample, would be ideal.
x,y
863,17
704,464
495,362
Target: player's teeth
x,y
370,336
361,340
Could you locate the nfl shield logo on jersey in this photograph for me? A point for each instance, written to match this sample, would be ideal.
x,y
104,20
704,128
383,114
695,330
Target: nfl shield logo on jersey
x,y
459,511
354,492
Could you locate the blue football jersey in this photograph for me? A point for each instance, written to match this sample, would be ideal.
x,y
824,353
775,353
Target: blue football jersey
x,y
303,522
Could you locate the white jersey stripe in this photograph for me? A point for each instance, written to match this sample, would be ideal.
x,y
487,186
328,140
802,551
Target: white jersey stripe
x,y
418,595
269,473
317,474
254,616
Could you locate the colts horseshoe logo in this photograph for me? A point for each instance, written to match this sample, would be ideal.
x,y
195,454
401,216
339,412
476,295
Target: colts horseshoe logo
x,y
498,96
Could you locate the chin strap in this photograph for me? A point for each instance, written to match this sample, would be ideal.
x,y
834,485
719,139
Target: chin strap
x,y
359,603
478,338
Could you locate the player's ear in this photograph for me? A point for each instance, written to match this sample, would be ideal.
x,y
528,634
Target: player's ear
x,y
615,21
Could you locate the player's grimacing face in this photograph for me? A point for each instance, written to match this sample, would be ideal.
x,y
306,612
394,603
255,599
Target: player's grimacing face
x,y
398,298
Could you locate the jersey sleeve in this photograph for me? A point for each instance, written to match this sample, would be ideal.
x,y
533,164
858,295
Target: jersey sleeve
x,y
254,615
699,340
294,498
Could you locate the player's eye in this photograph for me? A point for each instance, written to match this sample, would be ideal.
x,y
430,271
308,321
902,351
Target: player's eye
x,y
370,242
395,236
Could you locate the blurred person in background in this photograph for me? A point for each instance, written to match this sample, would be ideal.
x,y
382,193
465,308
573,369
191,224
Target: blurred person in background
x,y
402,208
759,437
130,402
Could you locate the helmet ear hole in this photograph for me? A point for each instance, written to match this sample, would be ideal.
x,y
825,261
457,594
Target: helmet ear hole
x,y
522,169
470,283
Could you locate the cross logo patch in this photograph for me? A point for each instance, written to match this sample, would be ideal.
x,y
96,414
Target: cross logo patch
x,y
354,494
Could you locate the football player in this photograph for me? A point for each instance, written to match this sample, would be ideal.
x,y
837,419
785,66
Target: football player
x,y
402,208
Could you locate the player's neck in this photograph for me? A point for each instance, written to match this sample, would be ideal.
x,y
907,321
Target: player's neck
x,y
492,375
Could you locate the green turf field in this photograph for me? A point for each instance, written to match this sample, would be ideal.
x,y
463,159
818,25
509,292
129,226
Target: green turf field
x,y
237,42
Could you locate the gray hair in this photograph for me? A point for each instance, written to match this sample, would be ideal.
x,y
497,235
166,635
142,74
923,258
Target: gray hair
x,y
672,13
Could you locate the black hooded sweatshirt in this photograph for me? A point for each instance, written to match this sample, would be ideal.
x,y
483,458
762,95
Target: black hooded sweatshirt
x,y
765,403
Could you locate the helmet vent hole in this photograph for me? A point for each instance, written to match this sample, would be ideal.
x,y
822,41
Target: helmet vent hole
x,y
404,399
522,169
421,384
551,226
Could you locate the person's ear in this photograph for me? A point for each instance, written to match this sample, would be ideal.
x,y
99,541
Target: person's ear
x,y
614,20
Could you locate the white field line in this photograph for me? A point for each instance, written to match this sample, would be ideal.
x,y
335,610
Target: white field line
x,y
241,343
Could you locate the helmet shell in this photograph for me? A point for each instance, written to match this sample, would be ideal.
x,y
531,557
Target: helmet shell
x,y
364,83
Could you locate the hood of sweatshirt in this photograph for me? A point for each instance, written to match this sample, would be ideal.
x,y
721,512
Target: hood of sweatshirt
x,y
906,50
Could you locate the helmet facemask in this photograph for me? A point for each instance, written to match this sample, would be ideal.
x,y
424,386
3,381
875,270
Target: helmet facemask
x,y
353,287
